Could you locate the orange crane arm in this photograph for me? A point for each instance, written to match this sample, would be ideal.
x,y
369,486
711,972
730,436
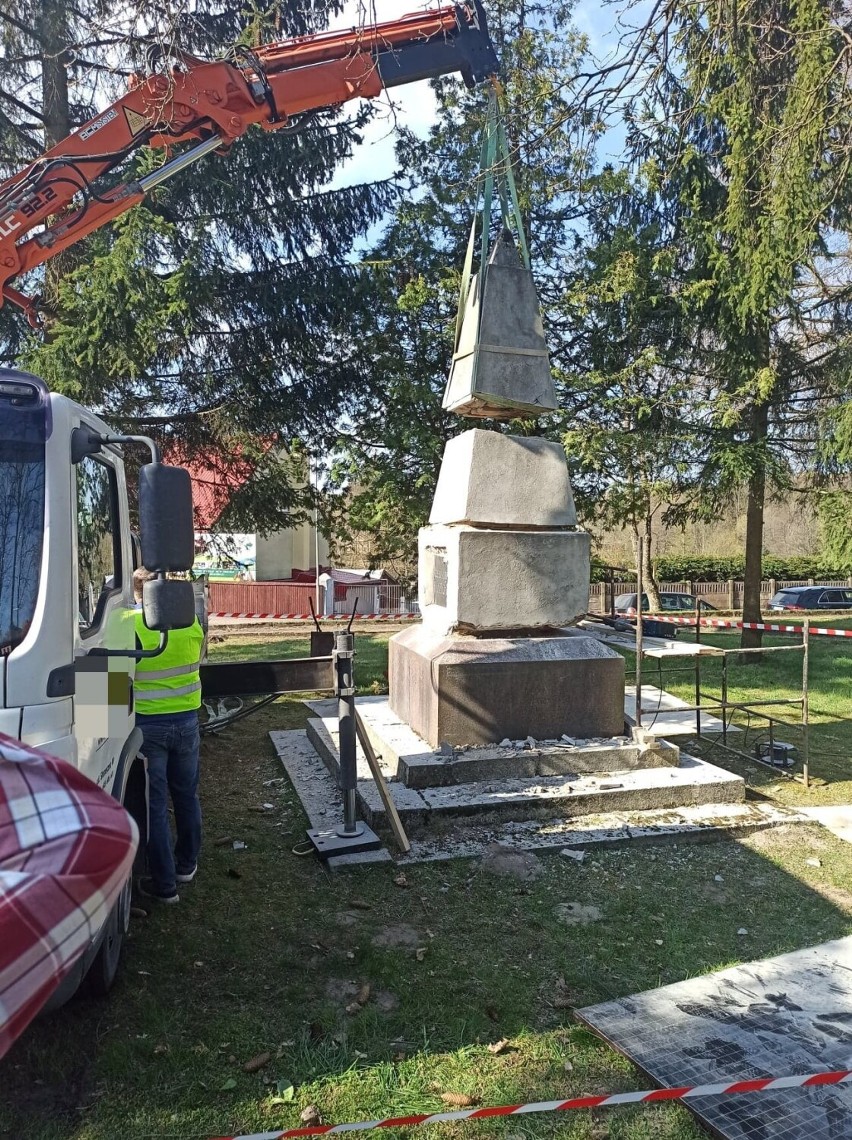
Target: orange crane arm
x,y
213,103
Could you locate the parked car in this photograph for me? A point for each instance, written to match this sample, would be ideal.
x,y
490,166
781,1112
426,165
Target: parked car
x,y
670,602
812,598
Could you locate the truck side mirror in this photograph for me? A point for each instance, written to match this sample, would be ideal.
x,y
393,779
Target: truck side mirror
x,y
168,604
165,518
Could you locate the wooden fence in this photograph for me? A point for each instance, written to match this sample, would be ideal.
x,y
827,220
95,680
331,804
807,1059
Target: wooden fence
x,y
386,598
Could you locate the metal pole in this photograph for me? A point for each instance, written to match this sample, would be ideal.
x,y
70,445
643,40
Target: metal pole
x,y
725,697
169,169
316,532
640,586
344,652
806,636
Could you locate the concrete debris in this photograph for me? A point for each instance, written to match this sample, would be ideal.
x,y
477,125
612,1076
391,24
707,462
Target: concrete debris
x,y
577,856
521,865
813,862
576,914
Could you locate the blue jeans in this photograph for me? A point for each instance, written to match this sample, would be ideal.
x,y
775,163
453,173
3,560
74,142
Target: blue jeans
x,y
171,745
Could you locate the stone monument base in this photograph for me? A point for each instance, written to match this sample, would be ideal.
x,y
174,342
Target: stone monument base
x,y
469,690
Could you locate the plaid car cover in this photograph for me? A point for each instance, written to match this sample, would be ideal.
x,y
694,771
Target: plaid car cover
x,y
66,849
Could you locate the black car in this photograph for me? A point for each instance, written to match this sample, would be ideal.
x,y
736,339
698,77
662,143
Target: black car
x,y
812,598
671,602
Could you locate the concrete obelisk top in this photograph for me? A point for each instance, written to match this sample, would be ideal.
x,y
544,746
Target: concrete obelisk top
x,y
501,367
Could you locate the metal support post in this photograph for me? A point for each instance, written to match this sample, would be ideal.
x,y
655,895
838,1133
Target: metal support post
x,y
351,836
640,586
344,653
806,636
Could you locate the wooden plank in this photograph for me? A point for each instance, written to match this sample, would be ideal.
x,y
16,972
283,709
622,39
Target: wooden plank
x,y
381,784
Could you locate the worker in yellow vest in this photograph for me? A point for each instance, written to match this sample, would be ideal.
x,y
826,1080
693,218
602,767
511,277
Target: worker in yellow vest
x,y
168,696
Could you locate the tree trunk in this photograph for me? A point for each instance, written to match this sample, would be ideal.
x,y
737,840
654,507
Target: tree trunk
x,y
53,37
652,588
753,573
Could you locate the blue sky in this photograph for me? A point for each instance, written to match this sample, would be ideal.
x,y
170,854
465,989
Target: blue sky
x,y
414,105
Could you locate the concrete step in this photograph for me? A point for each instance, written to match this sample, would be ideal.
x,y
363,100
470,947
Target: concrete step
x,y
692,782
450,837
407,757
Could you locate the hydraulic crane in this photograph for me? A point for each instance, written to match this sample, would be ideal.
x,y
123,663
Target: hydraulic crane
x,y
61,197
67,635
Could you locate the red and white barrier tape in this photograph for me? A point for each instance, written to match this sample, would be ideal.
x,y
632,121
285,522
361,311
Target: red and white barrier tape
x,y
310,617
687,1092
725,623
717,623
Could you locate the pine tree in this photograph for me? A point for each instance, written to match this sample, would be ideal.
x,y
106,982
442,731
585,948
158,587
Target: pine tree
x,y
744,118
392,449
217,314
629,439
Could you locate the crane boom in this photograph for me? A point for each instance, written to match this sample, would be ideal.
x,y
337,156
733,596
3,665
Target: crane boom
x,y
211,104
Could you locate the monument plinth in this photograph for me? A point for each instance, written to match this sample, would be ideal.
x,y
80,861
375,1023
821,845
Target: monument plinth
x,y
502,567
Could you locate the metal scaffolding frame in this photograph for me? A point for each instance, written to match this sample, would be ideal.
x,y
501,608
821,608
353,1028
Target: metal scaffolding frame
x,y
709,702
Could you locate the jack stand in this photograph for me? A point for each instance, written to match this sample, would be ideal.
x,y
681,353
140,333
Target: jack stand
x,y
352,835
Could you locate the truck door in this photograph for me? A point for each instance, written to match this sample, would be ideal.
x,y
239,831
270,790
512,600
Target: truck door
x,y
103,571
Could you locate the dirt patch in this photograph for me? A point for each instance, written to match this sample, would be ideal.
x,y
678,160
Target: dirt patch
x,y
398,936
385,1001
347,917
786,837
576,914
713,893
341,991
521,865
837,895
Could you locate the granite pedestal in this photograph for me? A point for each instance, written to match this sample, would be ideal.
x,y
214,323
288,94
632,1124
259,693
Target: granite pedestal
x,y
479,690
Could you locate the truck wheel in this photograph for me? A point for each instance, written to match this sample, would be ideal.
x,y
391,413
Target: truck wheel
x,y
104,968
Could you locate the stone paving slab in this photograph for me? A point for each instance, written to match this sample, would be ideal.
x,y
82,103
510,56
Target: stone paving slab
x,y
693,782
317,790
668,715
403,754
468,837
775,1017
698,824
837,820
322,735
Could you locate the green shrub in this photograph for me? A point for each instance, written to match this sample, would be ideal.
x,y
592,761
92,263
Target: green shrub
x,y
687,568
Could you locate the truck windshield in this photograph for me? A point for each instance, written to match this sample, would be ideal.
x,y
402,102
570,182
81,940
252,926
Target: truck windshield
x,y
22,477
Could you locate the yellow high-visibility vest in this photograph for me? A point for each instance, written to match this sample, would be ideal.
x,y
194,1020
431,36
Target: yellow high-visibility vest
x,y
169,682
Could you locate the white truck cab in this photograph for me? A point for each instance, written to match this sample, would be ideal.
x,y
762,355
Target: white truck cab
x,y
67,634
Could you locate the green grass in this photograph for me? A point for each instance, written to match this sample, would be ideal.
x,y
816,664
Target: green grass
x,y
266,949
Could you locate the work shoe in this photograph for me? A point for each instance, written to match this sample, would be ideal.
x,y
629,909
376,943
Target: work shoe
x,y
147,888
187,876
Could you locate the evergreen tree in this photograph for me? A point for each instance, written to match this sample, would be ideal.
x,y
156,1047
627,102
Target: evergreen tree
x,y
630,444
391,452
744,119
217,314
